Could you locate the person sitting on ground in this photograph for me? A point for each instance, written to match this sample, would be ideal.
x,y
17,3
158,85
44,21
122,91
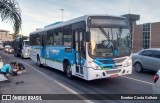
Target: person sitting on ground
x,y
19,68
6,69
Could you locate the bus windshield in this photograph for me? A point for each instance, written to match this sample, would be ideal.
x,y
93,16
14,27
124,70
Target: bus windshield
x,y
26,43
110,42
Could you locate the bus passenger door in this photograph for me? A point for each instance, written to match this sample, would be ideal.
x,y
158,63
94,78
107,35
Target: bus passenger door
x,y
79,51
43,51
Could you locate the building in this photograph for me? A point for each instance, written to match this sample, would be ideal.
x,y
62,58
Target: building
x,y
132,18
5,36
146,36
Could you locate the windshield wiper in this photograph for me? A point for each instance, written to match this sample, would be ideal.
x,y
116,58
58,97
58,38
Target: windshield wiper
x,y
107,36
104,32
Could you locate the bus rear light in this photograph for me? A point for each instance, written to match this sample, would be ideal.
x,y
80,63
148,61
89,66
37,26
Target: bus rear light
x,y
155,78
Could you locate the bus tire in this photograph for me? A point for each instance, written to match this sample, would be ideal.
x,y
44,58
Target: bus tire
x,y
15,54
22,56
68,70
38,61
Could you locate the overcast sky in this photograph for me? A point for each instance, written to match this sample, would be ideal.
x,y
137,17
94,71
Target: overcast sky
x,y
38,13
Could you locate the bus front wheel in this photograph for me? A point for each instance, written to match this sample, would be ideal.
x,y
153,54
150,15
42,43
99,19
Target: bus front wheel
x,y
68,70
22,56
15,54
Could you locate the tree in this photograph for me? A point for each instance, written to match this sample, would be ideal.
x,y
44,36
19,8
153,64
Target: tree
x,y
10,12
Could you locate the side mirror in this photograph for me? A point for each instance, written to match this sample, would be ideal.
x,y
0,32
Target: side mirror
x,y
88,36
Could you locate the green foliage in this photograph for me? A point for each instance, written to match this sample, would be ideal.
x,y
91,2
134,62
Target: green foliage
x,y
10,12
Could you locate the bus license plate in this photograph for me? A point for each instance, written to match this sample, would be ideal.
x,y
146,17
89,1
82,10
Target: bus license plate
x,y
114,75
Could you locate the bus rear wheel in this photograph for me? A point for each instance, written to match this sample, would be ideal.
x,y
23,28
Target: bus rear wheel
x,y
68,70
39,62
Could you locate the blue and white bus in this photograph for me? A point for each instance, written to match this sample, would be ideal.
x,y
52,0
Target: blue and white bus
x,y
90,47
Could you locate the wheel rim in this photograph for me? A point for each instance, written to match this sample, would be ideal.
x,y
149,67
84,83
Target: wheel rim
x,y
138,67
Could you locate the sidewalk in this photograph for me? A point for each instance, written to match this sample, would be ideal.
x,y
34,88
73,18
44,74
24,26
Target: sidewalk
x,y
31,82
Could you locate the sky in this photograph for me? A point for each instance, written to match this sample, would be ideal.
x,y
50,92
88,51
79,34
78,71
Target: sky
x,y
39,13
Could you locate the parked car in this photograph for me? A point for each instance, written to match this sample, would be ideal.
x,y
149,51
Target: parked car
x,y
6,48
148,59
10,50
156,86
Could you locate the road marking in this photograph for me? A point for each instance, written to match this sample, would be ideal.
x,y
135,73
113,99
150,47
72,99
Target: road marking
x,y
60,84
138,80
74,92
121,76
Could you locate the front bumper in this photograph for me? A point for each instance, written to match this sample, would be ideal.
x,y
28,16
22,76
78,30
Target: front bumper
x,y
98,74
26,55
11,52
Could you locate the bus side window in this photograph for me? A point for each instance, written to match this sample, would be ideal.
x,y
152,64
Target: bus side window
x,y
50,37
67,34
58,37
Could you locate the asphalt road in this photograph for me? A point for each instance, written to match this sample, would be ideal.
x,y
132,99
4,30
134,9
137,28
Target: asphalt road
x,y
136,83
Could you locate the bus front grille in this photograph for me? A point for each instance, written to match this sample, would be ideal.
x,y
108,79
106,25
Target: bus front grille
x,y
113,71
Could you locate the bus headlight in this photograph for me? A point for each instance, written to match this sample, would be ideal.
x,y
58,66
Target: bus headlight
x,y
94,65
128,63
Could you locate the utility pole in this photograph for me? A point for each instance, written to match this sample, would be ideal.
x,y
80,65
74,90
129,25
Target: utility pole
x,y
62,13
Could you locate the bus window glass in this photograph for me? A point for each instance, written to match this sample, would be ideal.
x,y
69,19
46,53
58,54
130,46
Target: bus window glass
x,y
109,42
58,38
67,36
76,40
35,39
38,39
50,38
26,43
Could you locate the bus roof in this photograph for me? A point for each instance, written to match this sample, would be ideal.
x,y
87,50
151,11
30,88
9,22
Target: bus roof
x,y
79,19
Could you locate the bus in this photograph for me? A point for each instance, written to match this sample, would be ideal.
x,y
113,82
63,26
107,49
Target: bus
x,y
89,47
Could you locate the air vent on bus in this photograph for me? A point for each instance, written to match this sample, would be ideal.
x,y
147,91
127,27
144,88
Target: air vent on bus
x,y
112,61
113,71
